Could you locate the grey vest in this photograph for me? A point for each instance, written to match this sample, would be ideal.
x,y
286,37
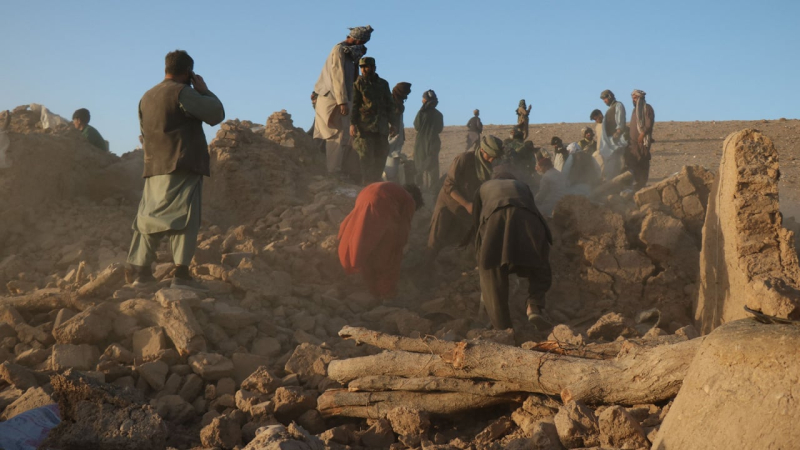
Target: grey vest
x,y
173,141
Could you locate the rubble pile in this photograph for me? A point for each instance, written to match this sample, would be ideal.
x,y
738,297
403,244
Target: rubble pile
x,y
260,361
630,258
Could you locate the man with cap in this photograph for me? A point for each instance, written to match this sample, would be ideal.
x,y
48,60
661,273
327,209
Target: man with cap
x,y
512,237
615,132
334,90
373,107
474,129
429,123
523,118
452,215
587,142
637,156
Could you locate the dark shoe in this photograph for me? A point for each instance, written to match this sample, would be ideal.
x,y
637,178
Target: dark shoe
x,y
538,319
138,276
183,280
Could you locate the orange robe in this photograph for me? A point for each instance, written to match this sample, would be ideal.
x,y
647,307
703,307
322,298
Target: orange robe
x,y
372,236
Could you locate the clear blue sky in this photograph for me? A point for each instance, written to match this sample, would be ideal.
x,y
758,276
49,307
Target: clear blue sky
x,y
697,60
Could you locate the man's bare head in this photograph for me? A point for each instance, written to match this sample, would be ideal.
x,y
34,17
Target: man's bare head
x,y
596,116
179,66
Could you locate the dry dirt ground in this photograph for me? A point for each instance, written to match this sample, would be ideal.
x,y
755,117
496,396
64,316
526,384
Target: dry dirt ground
x,y
676,145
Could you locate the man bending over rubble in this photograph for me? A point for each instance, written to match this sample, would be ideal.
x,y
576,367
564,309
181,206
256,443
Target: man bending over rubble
x,y
373,235
512,237
171,117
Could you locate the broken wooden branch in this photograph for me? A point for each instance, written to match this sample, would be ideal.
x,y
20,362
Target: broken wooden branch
x,y
373,405
645,375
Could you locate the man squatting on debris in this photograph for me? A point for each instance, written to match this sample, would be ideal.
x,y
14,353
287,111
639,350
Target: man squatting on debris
x,y
451,220
176,158
373,235
512,237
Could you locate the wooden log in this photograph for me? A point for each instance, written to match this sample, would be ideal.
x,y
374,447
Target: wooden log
x,y
645,376
43,300
433,384
375,405
177,320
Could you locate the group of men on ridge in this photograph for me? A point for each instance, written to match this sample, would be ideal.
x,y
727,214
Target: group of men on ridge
x,y
478,201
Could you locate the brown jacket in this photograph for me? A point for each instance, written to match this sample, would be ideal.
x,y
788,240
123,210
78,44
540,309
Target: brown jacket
x,y
173,140
510,228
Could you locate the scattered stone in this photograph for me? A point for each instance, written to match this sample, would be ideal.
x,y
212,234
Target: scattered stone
x,y
155,373
611,326
32,398
223,432
379,435
577,426
148,342
17,376
79,357
244,364
292,401
619,429
266,346
175,409
211,366
261,380
90,326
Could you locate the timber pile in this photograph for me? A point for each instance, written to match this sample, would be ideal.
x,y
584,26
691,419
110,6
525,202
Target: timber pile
x,y
451,377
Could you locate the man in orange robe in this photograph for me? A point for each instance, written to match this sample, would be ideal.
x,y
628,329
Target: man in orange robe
x,y
373,235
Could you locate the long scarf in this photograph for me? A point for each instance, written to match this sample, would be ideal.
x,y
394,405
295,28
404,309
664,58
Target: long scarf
x,y
492,147
356,52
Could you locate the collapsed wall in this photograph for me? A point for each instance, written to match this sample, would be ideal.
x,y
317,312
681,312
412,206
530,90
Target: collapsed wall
x,y
748,258
629,259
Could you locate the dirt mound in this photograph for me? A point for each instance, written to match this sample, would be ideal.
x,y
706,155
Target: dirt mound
x,y
253,172
99,415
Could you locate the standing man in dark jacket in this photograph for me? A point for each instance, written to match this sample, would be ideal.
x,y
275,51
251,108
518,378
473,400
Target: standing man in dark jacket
x,y
428,123
373,107
176,159
474,129
512,237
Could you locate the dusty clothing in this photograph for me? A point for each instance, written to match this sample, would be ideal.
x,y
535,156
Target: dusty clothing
x,y
512,237
335,87
615,118
637,155
171,117
170,207
552,186
399,94
91,134
373,107
523,119
372,236
451,222
429,123
373,151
